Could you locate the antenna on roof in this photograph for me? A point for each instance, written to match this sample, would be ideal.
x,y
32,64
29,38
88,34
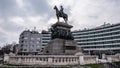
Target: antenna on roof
x,y
104,23
26,28
34,28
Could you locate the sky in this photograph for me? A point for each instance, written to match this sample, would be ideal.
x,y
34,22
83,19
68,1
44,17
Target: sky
x,y
19,15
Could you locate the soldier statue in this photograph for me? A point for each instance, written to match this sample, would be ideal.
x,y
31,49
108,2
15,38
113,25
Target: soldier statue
x,y
60,13
61,10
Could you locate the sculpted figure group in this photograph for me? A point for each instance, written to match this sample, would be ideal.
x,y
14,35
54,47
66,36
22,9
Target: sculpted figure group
x,y
61,33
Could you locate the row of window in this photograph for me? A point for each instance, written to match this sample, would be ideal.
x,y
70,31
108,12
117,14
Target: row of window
x,y
26,49
27,41
32,38
102,31
106,46
45,38
22,45
104,42
44,44
98,35
45,41
98,39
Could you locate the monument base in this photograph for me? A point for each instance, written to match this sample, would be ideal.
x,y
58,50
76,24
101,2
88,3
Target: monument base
x,y
61,47
62,41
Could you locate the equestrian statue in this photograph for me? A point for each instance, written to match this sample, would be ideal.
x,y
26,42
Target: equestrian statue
x,y
60,13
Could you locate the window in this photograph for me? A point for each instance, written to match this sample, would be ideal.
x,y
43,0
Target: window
x,y
37,49
25,38
21,45
38,38
25,49
37,59
21,49
37,42
32,38
71,47
41,50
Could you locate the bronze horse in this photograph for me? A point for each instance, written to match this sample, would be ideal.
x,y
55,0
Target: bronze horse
x,y
61,14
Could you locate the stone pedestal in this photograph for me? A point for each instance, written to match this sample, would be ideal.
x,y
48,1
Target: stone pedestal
x,y
62,41
70,47
55,47
61,47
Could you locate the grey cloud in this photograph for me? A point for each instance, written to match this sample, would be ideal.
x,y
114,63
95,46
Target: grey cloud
x,y
39,7
8,8
2,38
94,16
10,26
108,9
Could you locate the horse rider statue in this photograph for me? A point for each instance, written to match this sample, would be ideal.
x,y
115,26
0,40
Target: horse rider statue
x,y
60,13
61,10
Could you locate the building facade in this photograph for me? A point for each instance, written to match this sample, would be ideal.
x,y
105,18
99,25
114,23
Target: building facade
x,y
103,39
29,42
46,37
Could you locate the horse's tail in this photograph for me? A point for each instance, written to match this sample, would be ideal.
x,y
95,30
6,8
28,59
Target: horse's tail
x,y
66,17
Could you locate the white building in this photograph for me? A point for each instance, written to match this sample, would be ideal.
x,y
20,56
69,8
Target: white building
x,y
103,39
29,42
46,37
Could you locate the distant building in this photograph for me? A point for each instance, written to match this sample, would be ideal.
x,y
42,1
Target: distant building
x,y
46,37
103,39
29,42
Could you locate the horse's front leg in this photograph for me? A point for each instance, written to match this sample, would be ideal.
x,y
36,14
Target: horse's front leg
x,y
58,18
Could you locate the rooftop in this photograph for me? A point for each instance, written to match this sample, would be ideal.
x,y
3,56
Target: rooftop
x,y
105,25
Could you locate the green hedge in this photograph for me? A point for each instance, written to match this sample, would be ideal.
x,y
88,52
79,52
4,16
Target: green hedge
x,y
93,66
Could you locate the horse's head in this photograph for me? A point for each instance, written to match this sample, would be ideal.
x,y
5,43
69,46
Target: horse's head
x,y
55,7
